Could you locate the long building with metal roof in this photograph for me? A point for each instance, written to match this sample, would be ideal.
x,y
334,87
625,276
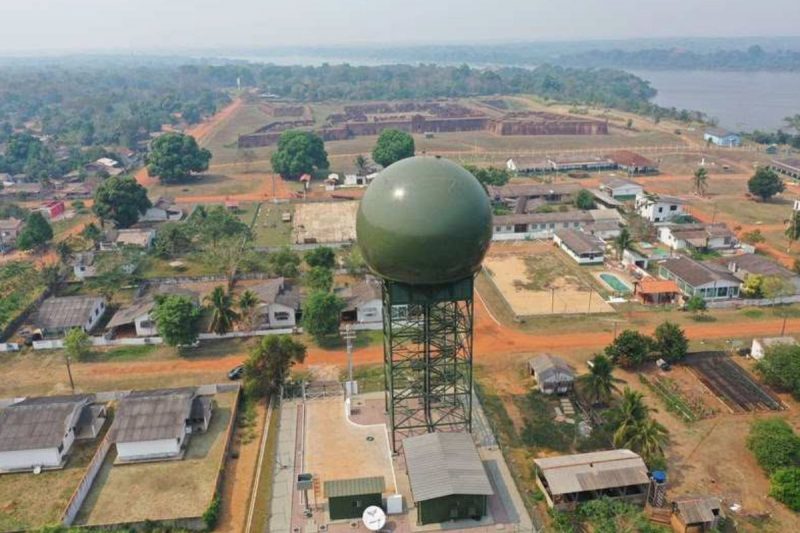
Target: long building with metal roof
x,y
568,480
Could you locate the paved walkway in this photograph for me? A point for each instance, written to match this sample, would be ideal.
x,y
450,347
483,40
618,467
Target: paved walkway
x,y
283,481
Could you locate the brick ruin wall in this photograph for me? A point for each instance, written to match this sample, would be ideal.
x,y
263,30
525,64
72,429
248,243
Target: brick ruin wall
x,y
356,121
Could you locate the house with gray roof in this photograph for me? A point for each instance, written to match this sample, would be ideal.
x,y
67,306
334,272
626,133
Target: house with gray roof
x,y
709,280
39,432
155,425
135,317
363,301
279,304
448,479
745,265
691,514
584,248
57,315
568,480
553,374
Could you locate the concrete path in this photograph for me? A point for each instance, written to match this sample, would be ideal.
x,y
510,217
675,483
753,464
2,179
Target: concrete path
x,y
283,482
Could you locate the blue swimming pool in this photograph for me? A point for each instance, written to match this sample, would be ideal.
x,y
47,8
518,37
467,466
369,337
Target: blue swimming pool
x,y
615,283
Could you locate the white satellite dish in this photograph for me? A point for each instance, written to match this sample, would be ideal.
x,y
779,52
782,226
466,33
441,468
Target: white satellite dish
x,y
374,518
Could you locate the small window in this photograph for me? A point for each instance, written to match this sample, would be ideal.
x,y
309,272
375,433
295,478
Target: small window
x,y
281,315
673,208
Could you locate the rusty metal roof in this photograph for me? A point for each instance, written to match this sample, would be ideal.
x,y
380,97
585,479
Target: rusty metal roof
x,y
567,474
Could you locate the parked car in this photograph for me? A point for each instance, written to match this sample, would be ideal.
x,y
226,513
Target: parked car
x,y
236,372
663,365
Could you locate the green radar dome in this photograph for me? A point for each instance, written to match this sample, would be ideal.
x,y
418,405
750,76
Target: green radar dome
x,y
424,221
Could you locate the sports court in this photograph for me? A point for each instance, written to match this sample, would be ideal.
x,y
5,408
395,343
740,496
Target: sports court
x,y
329,222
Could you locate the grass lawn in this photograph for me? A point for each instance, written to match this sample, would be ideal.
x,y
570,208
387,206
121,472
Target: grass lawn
x,y
20,285
166,489
268,228
29,501
369,377
156,267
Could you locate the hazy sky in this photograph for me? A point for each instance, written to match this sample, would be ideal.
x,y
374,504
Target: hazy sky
x,y
70,25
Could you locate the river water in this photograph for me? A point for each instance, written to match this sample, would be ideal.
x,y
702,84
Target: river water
x,y
739,100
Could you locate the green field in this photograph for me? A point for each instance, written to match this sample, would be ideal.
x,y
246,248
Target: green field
x,y
268,228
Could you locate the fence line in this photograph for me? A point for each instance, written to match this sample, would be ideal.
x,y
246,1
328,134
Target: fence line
x,y
85,486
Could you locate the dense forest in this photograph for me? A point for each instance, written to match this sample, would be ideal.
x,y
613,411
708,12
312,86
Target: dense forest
x,y
754,58
78,110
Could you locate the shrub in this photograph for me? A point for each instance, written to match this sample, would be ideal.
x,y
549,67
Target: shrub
x,y
785,487
211,515
774,444
780,368
630,349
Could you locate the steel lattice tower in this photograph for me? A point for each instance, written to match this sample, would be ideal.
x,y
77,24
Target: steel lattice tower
x,y
427,349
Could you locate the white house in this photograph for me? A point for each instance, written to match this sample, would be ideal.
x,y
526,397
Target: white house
x,y
39,432
553,374
279,304
711,282
156,425
697,236
136,237
363,302
136,315
657,208
585,249
722,137
58,315
621,189
605,223
759,348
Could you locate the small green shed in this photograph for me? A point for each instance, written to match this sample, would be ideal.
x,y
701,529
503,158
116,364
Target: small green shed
x,y
347,498
448,480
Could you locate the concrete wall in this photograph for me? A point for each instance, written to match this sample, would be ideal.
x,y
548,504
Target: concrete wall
x,y
133,451
28,459
371,311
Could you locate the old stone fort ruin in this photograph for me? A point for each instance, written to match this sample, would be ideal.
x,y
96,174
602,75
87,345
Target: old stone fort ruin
x,y
419,118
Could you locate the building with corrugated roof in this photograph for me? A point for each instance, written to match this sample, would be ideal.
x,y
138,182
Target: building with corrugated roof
x,y
57,315
348,498
553,374
448,479
156,425
695,514
584,248
569,480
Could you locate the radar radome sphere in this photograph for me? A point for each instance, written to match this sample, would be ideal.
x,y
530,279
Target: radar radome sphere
x,y
424,221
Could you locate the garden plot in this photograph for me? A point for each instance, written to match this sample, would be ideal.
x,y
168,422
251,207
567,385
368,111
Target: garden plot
x,y
539,281
733,385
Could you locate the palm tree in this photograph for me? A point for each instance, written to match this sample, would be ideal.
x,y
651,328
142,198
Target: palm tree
x,y
223,316
247,305
631,411
600,381
362,165
647,438
623,242
700,181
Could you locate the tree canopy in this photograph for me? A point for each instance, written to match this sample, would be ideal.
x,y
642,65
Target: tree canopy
x,y
298,153
780,368
774,444
322,256
319,278
489,175
176,156
321,314
177,319
77,344
392,146
35,233
121,200
268,365
630,349
765,184
584,199
671,342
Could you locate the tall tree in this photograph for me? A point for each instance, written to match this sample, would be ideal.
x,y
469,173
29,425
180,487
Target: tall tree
x,y
120,200
647,438
220,303
700,181
322,256
584,199
392,146
362,165
285,262
321,314
36,232
248,301
77,344
600,381
489,176
765,184
298,153
622,242
269,363
177,319
631,411
175,156
630,349
320,279
671,342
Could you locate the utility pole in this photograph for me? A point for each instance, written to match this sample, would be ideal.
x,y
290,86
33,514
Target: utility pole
x,y
783,326
349,335
69,372
552,300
